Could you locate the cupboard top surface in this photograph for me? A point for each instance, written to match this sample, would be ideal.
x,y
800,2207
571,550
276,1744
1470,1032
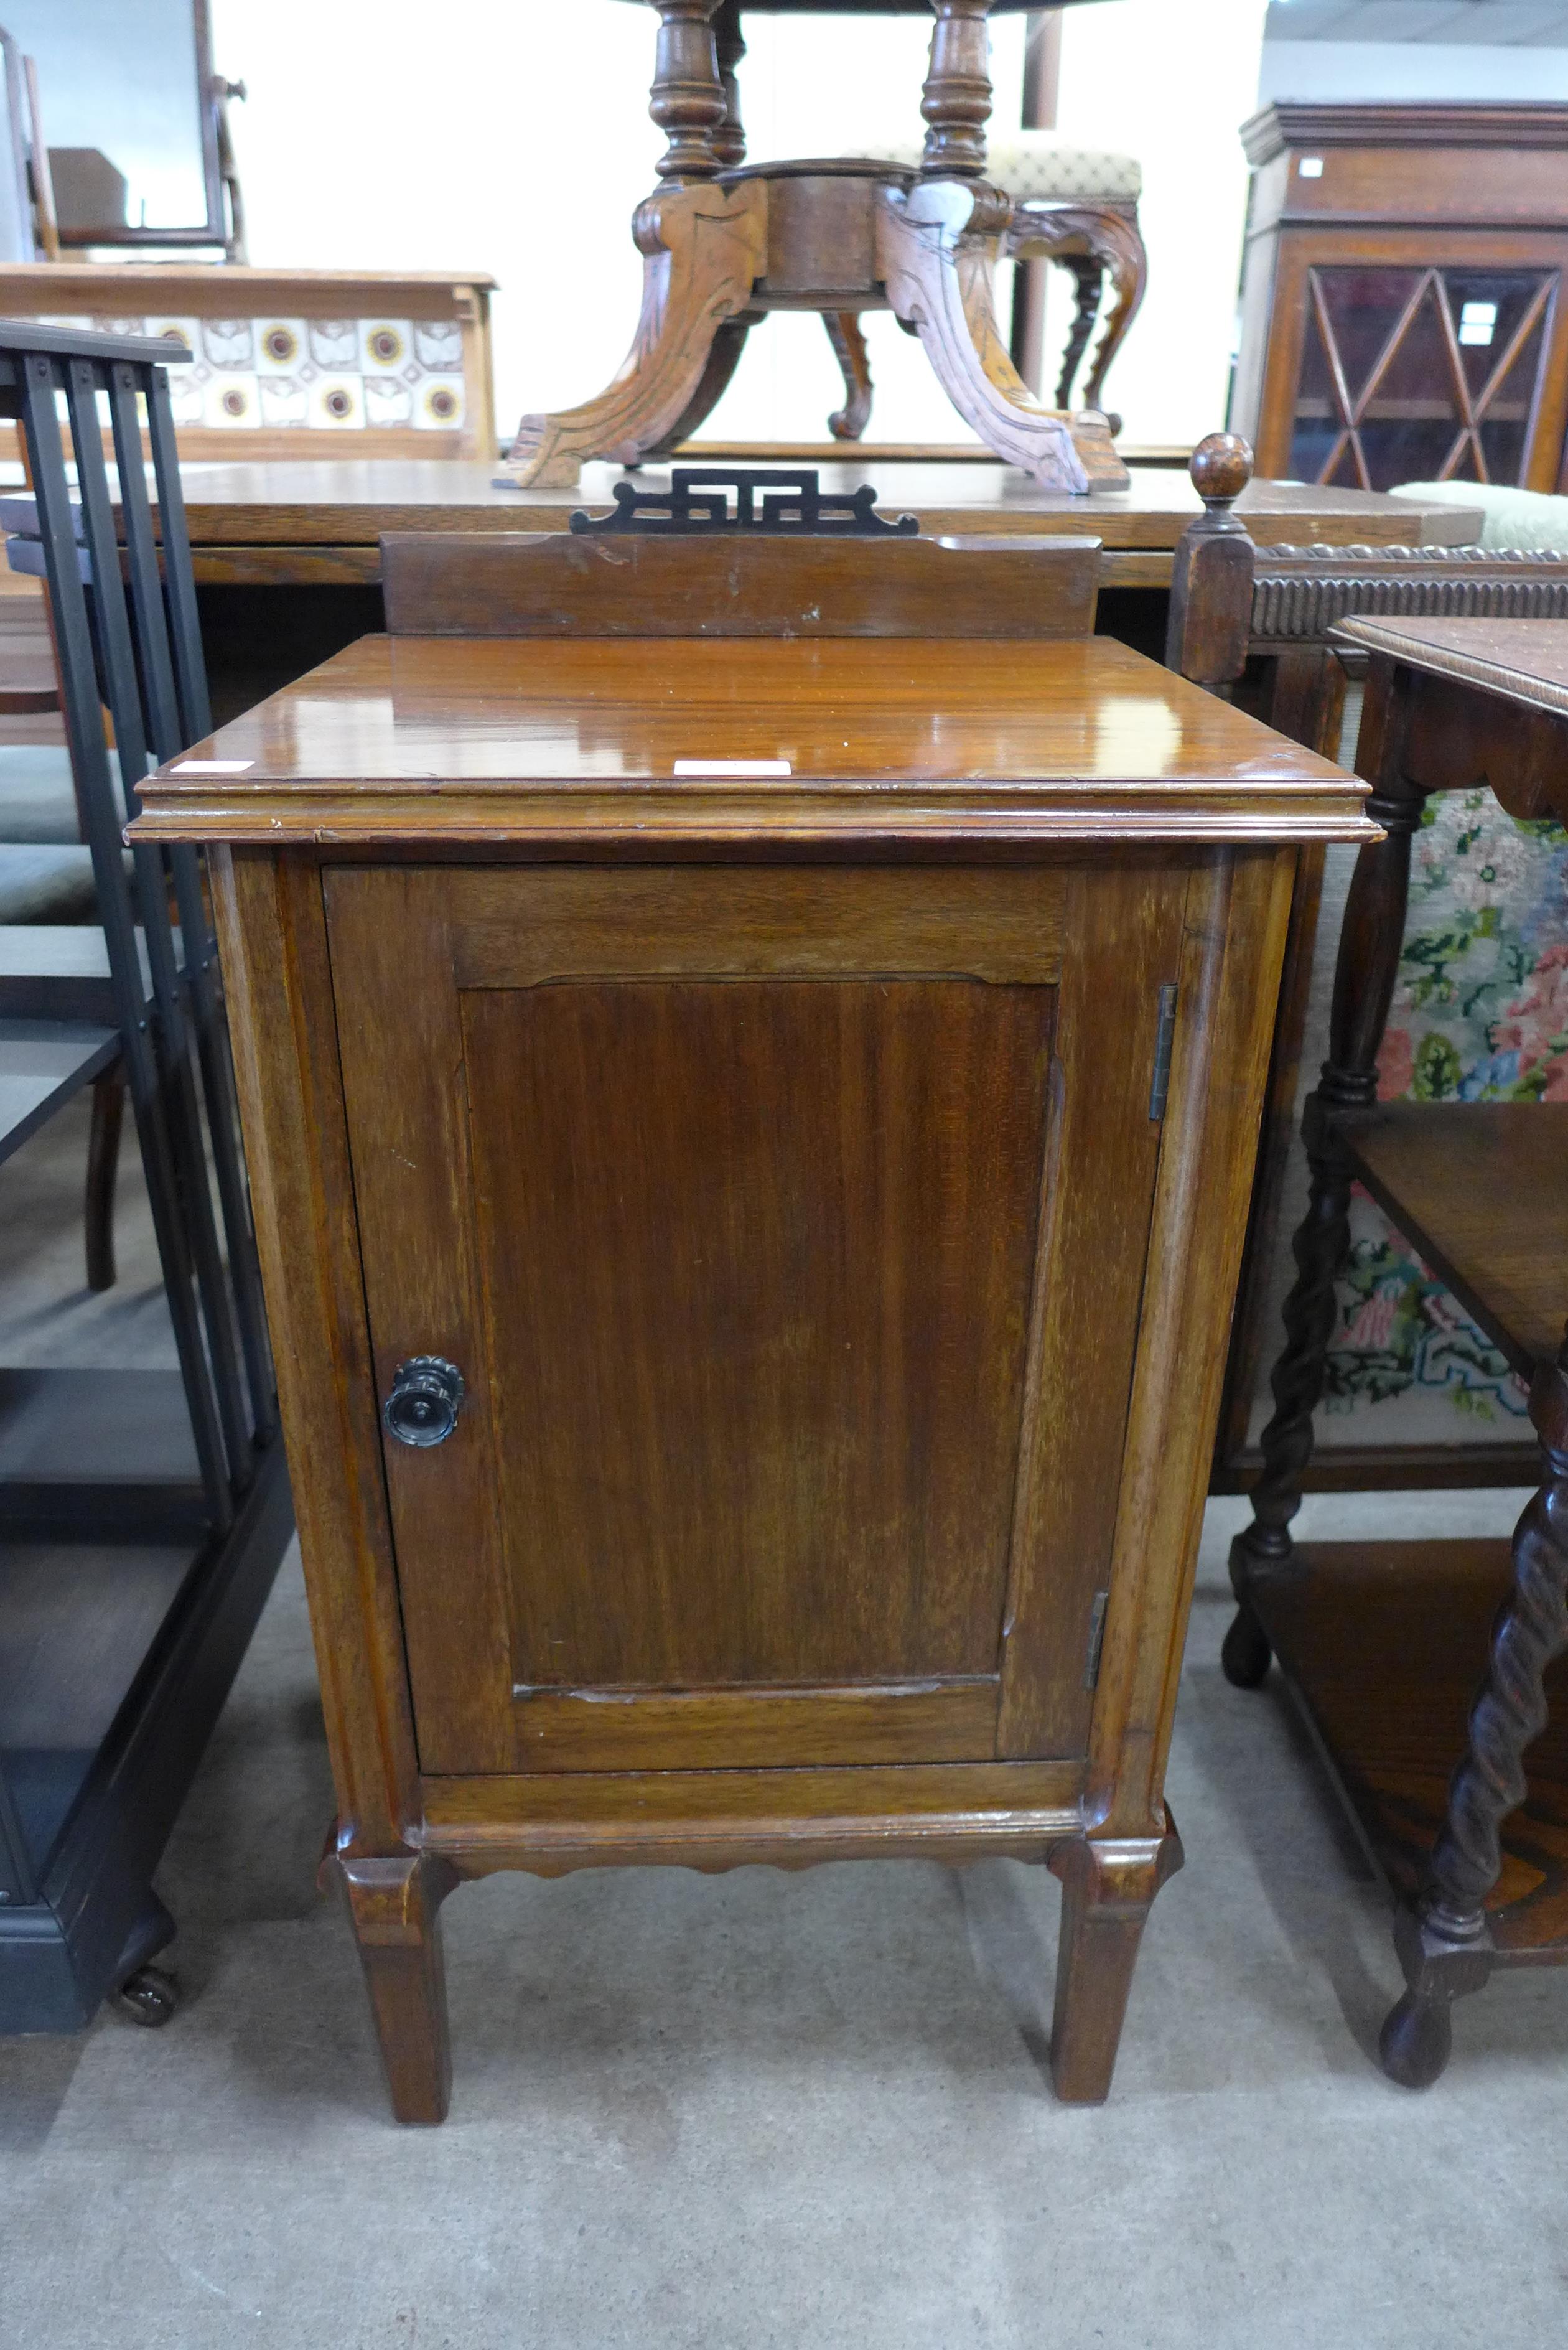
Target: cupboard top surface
x,y
441,741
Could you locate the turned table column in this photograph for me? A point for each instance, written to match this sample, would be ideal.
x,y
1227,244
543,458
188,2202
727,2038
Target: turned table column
x,y
956,99
688,100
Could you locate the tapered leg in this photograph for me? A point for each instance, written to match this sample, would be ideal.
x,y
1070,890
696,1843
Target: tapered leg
x,y
1444,1945
103,1165
1107,1890
394,1906
848,336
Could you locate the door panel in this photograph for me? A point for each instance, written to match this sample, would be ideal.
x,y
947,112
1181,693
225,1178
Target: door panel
x,y
726,1190
756,1260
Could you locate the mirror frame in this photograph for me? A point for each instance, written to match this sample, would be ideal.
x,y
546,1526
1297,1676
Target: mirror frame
x,y
209,98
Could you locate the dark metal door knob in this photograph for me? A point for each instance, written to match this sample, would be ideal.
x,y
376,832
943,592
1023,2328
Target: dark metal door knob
x,y
426,1397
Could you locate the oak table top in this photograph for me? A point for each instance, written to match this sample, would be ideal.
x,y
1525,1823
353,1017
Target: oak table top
x,y
1522,661
444,740
322,518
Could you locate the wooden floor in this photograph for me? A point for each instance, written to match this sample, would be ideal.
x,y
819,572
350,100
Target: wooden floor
x,y
1384,1646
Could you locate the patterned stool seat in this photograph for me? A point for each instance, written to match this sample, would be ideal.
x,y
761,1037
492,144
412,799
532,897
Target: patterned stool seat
x,y
1039,166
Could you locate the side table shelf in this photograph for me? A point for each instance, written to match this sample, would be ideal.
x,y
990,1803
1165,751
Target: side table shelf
x,y
1382,1646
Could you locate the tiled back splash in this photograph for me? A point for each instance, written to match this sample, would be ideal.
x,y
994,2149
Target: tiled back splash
x,y
318,374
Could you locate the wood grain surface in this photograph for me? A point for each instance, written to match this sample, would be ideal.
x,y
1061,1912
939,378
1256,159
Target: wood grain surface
x,y
544,585
1385,1645
1481,1190
443,741
356,501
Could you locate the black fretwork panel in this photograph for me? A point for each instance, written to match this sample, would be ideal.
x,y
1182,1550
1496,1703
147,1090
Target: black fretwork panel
x,y
767,500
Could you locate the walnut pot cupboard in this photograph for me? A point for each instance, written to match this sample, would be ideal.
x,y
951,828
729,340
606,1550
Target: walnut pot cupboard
x,y
828,1186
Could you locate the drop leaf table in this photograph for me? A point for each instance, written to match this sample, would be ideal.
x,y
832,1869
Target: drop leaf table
x,y
751,1144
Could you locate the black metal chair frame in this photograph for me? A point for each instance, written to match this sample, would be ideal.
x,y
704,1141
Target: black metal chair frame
x,y
78,1918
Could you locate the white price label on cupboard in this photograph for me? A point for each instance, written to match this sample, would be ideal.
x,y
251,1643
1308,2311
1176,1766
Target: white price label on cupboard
x,y
733,769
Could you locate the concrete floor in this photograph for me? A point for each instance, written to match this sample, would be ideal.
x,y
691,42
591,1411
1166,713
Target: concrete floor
x,y
759,2110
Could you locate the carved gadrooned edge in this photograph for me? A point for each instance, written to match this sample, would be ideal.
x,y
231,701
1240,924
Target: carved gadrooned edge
x,y
1338,583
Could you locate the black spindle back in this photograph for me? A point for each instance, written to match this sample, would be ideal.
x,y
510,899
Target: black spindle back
x,y
123,603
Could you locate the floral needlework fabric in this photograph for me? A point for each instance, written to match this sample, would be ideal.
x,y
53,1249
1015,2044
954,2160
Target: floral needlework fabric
x,y
1480,1014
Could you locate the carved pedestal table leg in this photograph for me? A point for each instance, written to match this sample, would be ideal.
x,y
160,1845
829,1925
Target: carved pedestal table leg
x,y
939,245
394,1906
1364,980
703,248
1107,1890
1443,1942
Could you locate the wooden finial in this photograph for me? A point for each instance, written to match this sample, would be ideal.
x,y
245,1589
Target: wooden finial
x,y
1220,469
1210,618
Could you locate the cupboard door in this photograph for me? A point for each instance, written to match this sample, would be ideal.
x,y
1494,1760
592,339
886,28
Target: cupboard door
x,y
751,1207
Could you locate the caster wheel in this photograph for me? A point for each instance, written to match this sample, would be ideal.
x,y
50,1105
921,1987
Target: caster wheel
x,y
148,1997
1246,1655
1417,2041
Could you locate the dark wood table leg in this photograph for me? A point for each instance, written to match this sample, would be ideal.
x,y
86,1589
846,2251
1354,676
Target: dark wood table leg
x,y
1443,1941
1108,1891
1363,979
848,336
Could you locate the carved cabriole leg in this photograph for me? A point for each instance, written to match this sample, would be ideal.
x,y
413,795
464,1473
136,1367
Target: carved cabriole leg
x,y
394,1905
937,250
1444,1944
1107,1890
1077,236
704,249
848,336
1117,244
1365,973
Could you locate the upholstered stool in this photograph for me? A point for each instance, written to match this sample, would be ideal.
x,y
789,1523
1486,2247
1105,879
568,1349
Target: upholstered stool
x,y
1072,204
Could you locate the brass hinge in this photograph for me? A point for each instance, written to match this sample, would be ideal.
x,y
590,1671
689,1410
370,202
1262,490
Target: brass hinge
x,y
1097,1640
1163,1037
